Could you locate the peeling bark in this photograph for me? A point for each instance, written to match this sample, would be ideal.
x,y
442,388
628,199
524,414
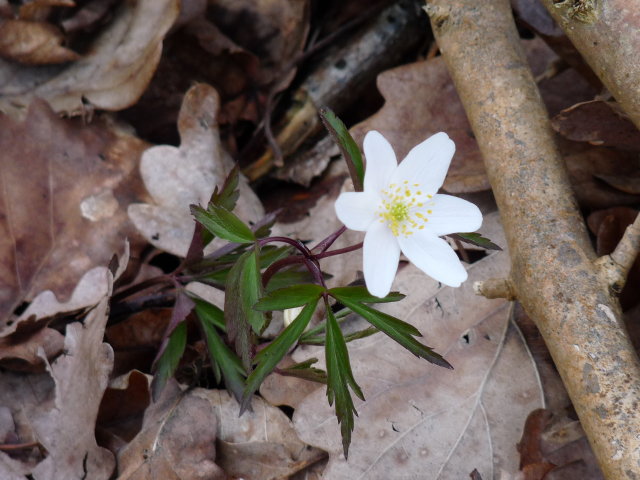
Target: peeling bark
x,y
555,273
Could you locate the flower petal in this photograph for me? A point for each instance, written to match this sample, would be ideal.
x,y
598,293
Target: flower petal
x,y
427,163
434,257
451,215
357,209
380,256
381,162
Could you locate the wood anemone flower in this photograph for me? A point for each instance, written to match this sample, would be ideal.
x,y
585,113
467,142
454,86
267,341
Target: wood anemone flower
x,y
400,210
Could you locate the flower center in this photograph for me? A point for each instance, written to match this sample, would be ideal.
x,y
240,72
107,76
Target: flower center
x,y
398,208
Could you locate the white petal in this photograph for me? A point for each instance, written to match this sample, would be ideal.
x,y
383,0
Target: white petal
x,y
380,256
434,257
451,215
357,209
427,163
381,162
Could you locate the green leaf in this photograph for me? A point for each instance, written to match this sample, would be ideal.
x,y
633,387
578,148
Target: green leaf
x,y
209,313
243,290
475,239
305,371
222,223
347,144
289,297
339,379
292,276
361,294
401,332
320,340
222,358
267,358
168,362
229,193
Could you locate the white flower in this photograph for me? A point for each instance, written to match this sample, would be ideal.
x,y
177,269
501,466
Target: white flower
x,y
401,211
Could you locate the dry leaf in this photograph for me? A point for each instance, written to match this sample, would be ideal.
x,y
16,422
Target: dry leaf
x,y
422,421
177,441
68,214
81,376
178,177
180,433
111,76
33,43
599,123
428,85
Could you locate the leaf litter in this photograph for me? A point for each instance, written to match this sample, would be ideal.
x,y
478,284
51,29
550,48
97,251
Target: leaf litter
x,y
85,185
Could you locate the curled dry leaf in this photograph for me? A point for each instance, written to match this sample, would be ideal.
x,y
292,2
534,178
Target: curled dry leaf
x,y
111,76
599,123
33,43
240,47
422,421
191,435
69,213
81,376
179,177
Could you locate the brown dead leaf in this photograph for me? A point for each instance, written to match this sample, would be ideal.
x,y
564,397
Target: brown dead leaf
x,y
587,164
428,85
64,192
181,431
599,123
421,421
33,43
81,376
111,76
242,48
177,441
122,410
178,177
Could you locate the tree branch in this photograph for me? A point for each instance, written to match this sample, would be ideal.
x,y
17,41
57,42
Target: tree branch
x,y
553,273
607,35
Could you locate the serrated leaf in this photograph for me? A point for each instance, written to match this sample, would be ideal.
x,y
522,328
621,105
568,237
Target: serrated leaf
x,y
289,297
320,340
305,371
347,144
168,362
222,223
229,193
401,332
223,359
361,294
339,379
243,290
475,238
267,358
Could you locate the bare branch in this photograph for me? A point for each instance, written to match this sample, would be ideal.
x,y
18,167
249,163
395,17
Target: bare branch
x,y
553,263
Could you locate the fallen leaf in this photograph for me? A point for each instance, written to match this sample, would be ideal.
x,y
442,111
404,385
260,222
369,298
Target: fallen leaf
x,y
68,214
178,177
188,435
81,376
428,84
587,164
113,73
243,48
33,43
122,410
599,123
177,440
427,422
